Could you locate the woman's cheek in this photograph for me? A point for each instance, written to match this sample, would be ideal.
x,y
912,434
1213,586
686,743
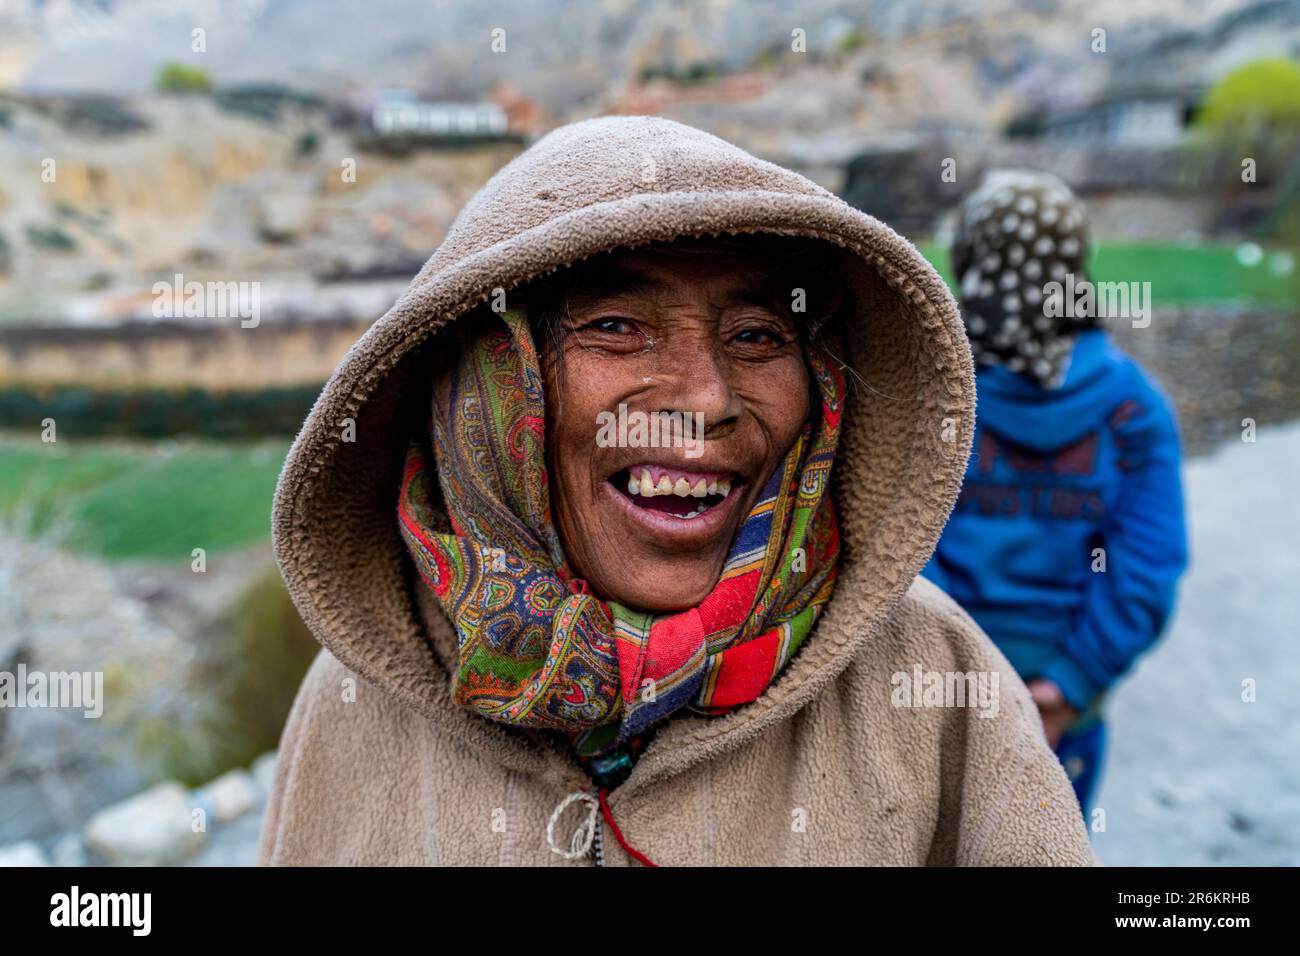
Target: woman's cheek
x,y
781,393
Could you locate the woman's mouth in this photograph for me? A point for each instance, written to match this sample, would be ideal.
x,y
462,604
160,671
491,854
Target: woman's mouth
x,y
677,510
686,495
669,534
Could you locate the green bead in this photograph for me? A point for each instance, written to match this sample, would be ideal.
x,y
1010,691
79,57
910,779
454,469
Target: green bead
x,y
608,771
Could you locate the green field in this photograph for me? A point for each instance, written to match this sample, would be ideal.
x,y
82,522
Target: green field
x,y
1184,274
155,501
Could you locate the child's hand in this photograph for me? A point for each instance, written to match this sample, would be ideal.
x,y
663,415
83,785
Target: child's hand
x,y
1057,715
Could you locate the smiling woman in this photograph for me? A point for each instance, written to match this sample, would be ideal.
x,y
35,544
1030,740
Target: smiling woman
x,y
672,596
696,646
728,350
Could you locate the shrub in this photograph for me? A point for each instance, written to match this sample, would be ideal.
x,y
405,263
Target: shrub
x,y
253,659
1264,94
52,238
182,78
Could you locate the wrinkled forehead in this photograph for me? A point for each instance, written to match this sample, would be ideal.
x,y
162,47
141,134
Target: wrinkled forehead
x,y
657,278
766,272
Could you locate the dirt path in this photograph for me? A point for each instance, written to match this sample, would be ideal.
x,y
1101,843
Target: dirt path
x,y
1196,775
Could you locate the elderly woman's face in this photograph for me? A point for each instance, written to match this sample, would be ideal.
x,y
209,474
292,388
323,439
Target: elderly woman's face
x,y
650,527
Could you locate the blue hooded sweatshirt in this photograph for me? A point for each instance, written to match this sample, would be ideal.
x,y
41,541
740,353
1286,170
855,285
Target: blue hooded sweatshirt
x,y
1067,540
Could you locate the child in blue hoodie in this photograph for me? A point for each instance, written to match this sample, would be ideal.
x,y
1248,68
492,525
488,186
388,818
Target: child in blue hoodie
x,y
1067,540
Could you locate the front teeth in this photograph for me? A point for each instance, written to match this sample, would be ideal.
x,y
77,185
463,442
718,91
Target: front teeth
x,y
645,486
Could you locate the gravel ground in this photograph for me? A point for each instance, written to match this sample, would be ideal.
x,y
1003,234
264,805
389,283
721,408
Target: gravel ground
x,y
1196,776
235,844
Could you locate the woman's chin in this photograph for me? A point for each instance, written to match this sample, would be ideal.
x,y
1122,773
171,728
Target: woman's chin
x,y
655,583
662,592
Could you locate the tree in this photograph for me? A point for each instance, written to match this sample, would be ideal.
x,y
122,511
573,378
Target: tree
x,y
182,78
1255,110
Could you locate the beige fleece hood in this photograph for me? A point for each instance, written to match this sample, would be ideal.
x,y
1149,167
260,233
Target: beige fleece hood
x,y
581,190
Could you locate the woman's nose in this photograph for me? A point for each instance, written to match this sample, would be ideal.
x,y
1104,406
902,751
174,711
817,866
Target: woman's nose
x,y
702,384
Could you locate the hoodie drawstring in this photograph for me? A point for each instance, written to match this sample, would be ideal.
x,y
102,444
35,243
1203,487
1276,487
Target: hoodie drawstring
x,y
618,834
580,840
586,833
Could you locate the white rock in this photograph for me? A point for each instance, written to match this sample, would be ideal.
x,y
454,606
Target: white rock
x,y
22,854
68,851
231,795
283,216
152,828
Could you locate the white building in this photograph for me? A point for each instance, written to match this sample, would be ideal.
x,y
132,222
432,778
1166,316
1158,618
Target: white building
x,y
399,113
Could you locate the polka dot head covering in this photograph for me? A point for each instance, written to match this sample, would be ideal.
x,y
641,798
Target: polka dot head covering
x,y
1018,231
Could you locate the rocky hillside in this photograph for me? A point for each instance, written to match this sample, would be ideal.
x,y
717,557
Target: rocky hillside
x,y
145,187
947,56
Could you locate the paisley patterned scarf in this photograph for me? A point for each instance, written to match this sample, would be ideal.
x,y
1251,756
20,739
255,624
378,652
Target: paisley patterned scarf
x,y
536,648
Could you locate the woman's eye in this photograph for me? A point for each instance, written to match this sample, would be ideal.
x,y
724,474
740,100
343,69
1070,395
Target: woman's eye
x,y
757,337
609,325
610,333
